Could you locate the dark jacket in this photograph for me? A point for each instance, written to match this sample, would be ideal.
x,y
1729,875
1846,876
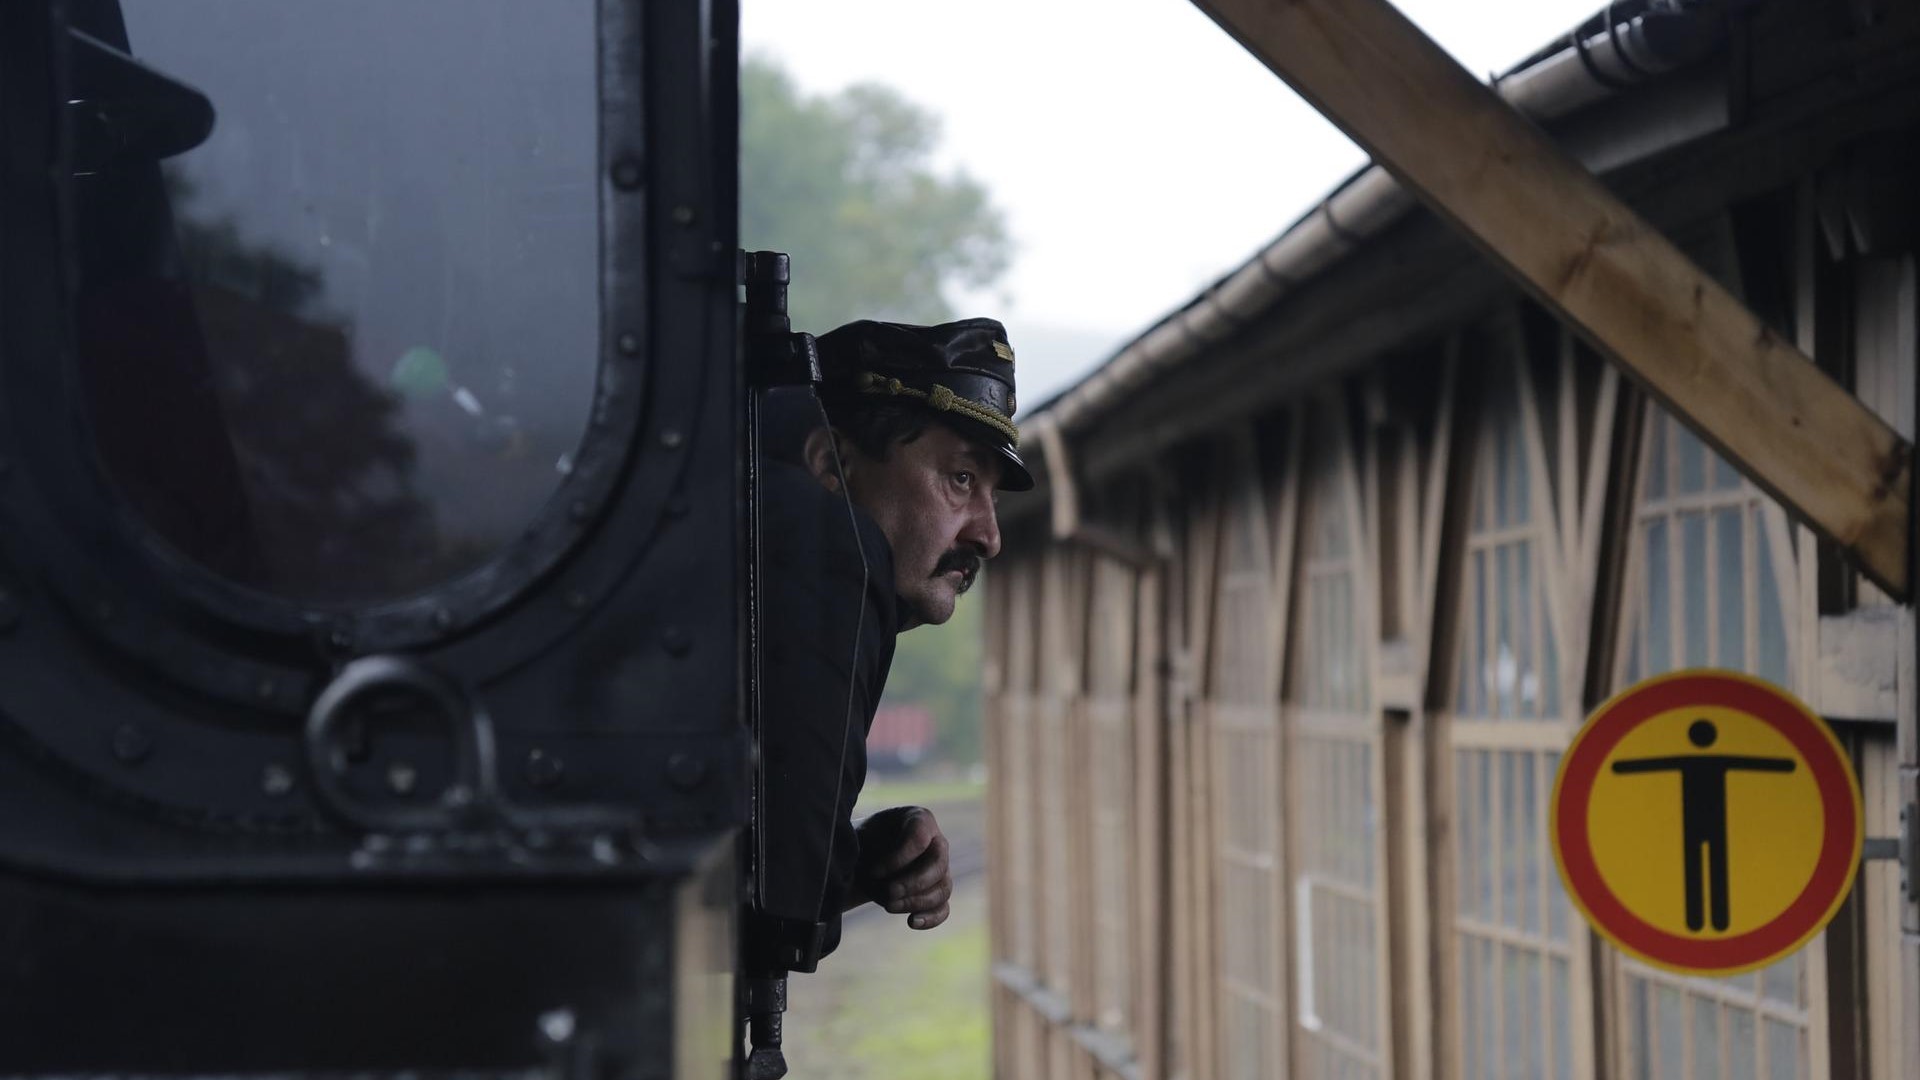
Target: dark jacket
x,y
830,617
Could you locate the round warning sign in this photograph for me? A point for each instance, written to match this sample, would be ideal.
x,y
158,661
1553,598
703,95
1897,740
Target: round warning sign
x,y
1706,822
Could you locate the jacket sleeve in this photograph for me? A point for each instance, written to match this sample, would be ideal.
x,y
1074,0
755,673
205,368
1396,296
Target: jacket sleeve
x,y
829,619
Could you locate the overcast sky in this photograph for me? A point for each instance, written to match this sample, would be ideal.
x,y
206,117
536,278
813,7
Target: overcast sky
x,y
1137,151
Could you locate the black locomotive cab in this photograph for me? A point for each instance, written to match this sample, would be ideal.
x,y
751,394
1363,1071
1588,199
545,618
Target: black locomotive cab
x,y
372,543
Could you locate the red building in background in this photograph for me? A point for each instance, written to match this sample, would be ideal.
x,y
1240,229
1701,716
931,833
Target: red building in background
x,y
900,737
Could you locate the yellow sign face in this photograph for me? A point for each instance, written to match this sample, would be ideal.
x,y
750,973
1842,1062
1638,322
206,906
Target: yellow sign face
x,y
1706,822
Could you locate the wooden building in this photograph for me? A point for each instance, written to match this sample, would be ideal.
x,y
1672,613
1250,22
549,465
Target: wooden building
x,y
1326,569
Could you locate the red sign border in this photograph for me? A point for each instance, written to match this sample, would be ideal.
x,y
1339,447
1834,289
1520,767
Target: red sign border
x,y
1834,870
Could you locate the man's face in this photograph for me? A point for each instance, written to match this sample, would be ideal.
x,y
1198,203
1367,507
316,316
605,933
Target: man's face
x,y
933,497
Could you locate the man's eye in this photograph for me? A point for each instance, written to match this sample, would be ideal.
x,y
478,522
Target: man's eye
x,y
963,479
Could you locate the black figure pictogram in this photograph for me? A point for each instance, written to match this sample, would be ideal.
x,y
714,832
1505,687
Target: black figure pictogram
x,y
1703,808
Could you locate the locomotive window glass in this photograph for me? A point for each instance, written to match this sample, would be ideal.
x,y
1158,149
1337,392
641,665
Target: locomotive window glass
x,y
343,349
1711,563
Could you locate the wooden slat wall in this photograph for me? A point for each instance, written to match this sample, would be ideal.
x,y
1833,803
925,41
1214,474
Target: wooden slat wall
x,y
1453,576
1336,809
1077,753
1152,909
1702,536
1242,721
1110,711
1516,959
1883,316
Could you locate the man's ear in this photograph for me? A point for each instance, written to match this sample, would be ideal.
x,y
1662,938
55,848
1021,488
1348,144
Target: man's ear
x,y
822,454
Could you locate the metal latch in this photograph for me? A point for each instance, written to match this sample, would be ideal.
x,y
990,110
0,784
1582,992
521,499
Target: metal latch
x,y
1905,847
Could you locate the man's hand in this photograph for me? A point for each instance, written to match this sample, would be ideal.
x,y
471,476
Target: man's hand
x,y
903,865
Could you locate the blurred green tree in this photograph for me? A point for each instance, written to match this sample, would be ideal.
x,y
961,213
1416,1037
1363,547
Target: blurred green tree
x,y
845,184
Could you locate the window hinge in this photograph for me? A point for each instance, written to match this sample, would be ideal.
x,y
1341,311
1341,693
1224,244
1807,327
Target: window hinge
x,y
1905,847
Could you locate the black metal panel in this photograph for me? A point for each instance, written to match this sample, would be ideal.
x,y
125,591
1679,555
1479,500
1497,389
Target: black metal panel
x,y
180,889
612,678
315,980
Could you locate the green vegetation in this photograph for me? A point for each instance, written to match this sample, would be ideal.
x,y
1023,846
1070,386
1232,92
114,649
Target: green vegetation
x,y
939,1029
939,667
879,794
844,183
893,1004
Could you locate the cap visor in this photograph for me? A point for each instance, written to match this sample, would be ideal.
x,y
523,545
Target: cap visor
x,y
1013,472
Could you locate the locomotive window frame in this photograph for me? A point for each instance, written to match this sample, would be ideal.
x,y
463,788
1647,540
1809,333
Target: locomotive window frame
x,y
125,688
246,645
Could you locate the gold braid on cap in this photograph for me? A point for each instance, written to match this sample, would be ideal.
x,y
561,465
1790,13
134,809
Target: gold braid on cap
x,y
940,399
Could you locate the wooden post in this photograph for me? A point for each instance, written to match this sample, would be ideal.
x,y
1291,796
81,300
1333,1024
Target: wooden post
x,y
1153,969
1568,241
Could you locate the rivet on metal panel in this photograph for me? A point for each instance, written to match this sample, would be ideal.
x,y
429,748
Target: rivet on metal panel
x,y
671,438
401,777
581,510
576,600
276,779
442,619
676,640
264,689
683,215
557,1025
131,744
628,344
687,771
543,769
627,174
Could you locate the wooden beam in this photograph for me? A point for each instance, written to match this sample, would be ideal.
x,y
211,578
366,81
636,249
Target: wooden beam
x,y
1583,253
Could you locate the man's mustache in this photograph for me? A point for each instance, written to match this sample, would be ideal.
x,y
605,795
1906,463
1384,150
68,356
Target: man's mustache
x,y
967,562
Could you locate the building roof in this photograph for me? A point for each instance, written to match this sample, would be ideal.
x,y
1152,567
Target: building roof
x,y
1618,49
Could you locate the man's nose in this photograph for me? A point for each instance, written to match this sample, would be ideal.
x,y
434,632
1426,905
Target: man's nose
x,y
982,530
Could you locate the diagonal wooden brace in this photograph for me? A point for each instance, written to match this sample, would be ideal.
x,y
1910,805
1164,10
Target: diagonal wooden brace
x,y
1578,249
